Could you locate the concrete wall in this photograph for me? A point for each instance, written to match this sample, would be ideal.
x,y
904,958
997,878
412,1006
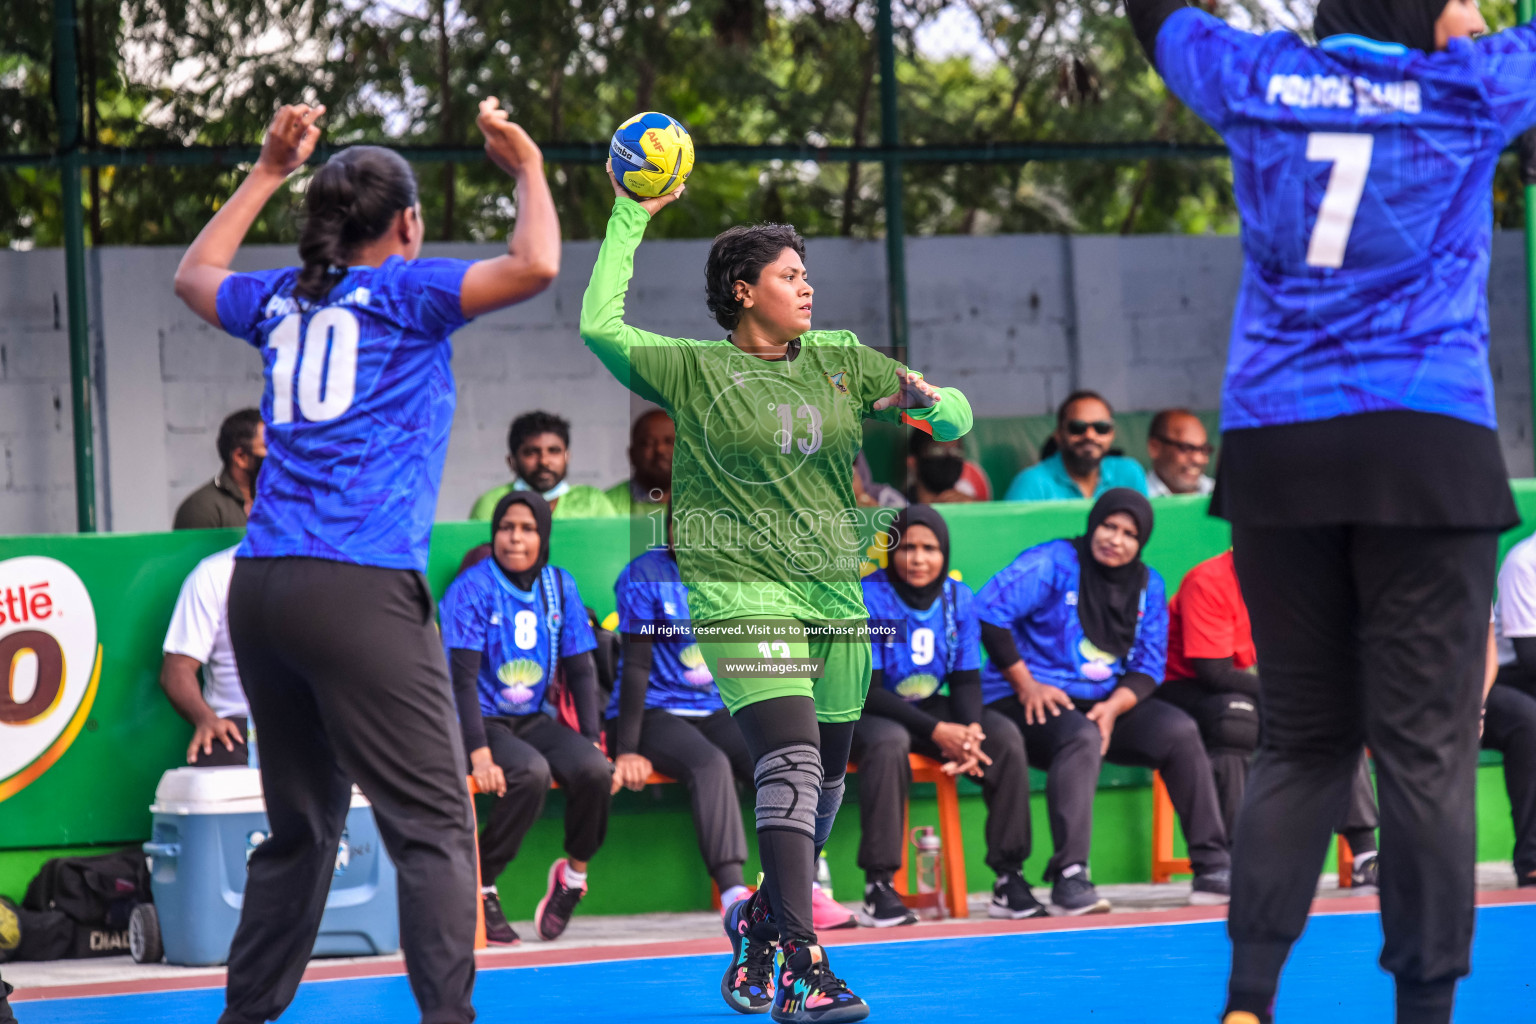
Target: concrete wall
x,y
1015,321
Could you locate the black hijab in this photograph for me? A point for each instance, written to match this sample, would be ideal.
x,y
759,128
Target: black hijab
x,y
1409,22
919,598
540,508
1109,599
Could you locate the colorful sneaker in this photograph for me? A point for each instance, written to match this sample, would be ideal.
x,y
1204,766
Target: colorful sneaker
x,y
748,982
554,910
1072,894
883,907
1013,900
809,993
1211,889
497,930
827,914
1365,877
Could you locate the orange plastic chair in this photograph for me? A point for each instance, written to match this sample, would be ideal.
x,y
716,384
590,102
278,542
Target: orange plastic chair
x,y
1164,864
953,887
1346,864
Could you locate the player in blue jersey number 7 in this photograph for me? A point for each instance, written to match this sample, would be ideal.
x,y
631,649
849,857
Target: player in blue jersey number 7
x,y
329,612
1361,468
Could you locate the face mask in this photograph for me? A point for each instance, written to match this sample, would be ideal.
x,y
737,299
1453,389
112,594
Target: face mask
x,y
939,473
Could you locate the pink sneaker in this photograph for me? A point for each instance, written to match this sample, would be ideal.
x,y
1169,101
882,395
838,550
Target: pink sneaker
x,y
827,914
560,899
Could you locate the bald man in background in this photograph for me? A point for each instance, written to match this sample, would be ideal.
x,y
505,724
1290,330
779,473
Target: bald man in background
x,y
1180,451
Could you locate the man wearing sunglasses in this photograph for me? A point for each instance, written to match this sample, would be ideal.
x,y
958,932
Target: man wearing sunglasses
x,y
1180,451
1076,462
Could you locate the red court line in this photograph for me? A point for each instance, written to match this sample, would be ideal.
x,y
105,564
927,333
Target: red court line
x,y
542,956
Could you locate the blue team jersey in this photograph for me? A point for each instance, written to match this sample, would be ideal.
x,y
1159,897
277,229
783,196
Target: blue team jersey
x,y
943,638
1035,596
358,401
1363,172
514,632
652,595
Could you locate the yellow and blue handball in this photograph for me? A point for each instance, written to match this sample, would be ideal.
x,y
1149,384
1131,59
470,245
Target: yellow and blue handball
x,y
652,155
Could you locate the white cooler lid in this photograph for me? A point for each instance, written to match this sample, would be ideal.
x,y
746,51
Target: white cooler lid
x,y
235,790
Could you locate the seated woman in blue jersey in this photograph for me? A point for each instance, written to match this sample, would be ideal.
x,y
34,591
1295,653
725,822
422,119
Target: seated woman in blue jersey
x,y
667,714
510,623
1077,634
940,643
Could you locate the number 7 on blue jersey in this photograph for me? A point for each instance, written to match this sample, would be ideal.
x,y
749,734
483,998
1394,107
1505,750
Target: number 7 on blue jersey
x,y
1350,154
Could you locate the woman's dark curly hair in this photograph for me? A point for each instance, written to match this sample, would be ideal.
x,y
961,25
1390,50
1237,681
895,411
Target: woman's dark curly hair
x,y
352,199
740,254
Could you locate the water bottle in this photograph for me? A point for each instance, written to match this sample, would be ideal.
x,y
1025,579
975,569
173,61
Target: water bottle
x,y
929,868
824,876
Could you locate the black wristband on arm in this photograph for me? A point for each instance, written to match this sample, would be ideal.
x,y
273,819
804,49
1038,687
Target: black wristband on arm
x,y
885,704
633,685
1220,675
465,665
1147,17
1000,645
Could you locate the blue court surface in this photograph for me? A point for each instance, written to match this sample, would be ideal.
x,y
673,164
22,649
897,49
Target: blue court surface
x,y
1150,975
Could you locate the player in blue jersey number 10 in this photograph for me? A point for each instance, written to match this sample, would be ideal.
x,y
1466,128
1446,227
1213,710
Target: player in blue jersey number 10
x,y
1360,467
329,611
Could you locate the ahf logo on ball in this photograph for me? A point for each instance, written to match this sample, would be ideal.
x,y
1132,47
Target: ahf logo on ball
x,y
50,666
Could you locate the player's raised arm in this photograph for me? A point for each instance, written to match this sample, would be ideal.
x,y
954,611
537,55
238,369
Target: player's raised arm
x,y
290,141
613,341
533,251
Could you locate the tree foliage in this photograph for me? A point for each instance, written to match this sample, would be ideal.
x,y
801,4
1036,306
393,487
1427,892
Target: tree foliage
x,y
175,73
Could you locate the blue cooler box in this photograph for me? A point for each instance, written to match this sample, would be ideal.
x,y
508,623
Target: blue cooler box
x,y
207,821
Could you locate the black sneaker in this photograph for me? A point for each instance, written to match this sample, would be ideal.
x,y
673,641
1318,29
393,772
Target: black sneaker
x,y
554,910
809,993
6,1016
1011,899
497,929
1365,877
1211,889
1072,894
883,907
748,982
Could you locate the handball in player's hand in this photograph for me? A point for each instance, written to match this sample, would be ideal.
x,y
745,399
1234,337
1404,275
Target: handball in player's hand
x,y
651,155
914,393
508,146
650,206
291,138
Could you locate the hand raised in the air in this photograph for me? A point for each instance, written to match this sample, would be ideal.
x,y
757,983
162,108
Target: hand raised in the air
x,y
914,393
508,146
291,138
651,206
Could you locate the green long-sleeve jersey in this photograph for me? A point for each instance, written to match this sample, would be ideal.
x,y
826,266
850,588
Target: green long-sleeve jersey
x,y
764,515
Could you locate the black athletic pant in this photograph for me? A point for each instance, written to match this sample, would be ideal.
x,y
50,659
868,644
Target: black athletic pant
x,y
347,683
707,754
1229,727
1153,734
531,750
880,749
789,857
1510,728
1370,635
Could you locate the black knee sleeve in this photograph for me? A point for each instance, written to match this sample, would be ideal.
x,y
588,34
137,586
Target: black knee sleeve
x,y
789,788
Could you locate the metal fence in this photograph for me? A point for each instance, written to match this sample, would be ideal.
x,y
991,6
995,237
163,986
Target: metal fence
x,y
866,117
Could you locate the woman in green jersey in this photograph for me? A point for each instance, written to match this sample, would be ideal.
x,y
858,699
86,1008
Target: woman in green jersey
x,y
769,420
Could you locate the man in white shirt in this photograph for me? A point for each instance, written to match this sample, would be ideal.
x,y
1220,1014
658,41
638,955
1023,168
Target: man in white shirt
x,y
1180,450
198,638
1509,705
